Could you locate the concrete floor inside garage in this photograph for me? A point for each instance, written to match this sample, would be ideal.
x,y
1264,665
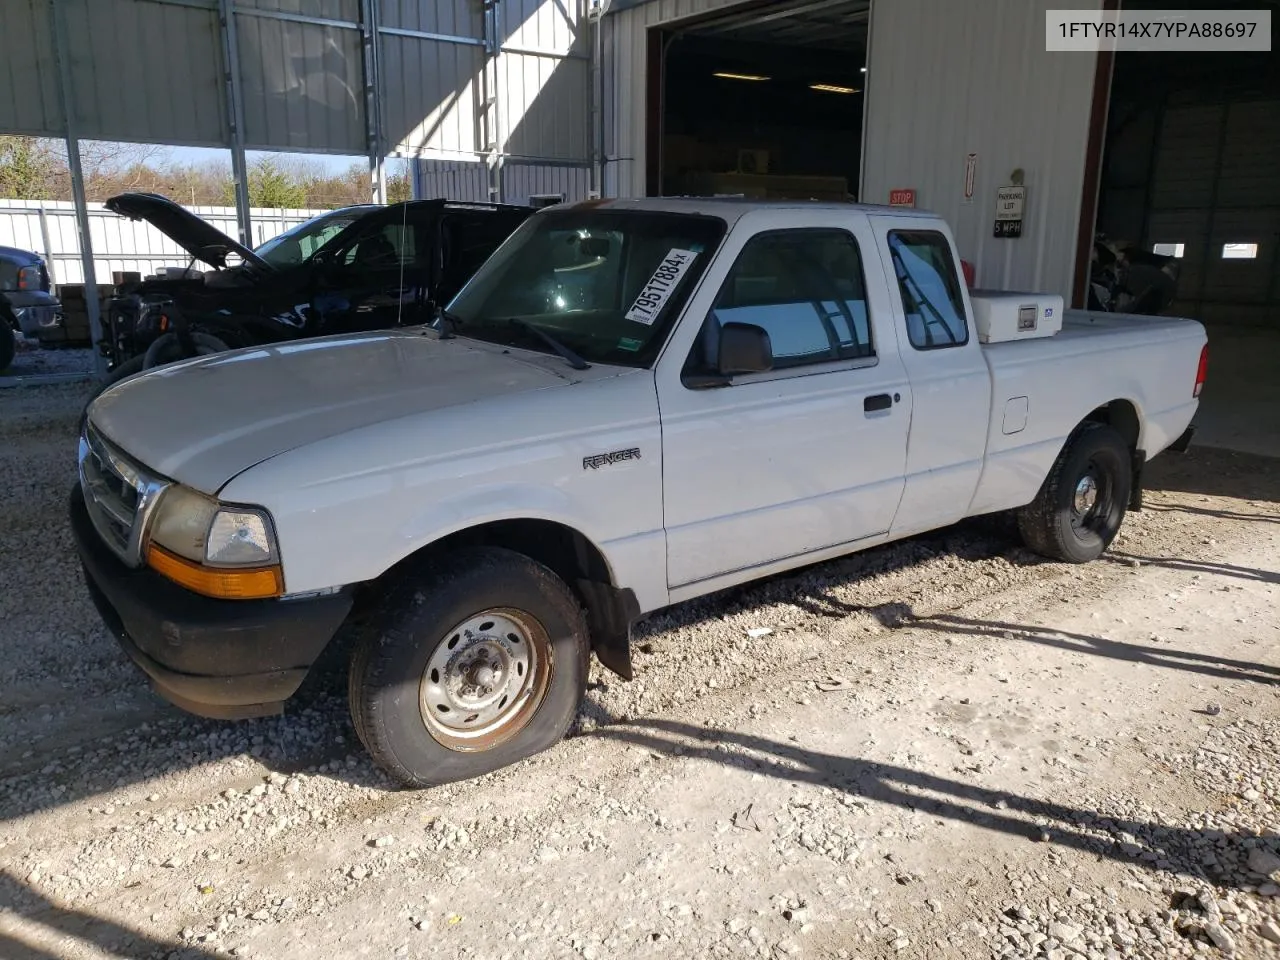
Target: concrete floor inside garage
x,y
1240,407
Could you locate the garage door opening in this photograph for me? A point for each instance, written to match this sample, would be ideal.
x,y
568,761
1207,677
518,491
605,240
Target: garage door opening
x,y
1191,172
763,103
1188,220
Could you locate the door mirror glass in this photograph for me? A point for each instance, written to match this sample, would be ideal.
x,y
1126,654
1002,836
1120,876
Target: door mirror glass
x,y
744,348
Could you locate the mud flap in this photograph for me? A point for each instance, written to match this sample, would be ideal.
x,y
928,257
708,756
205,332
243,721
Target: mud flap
x,y
1184,441
1135,490
610,613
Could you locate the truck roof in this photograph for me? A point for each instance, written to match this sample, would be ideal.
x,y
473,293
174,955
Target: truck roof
x,y
732,208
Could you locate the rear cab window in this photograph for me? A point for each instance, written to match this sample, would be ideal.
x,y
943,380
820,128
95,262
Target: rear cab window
x,y
930,289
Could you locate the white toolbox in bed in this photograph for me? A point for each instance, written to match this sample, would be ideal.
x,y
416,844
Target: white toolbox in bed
x,y
1003,315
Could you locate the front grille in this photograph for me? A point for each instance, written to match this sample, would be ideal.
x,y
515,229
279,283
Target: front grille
x,y
118,494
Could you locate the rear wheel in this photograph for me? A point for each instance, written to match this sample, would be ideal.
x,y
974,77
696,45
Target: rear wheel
x,y
1080,507
476,664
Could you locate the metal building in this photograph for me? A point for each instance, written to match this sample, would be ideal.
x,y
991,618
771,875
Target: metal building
x,y
501,86
947,86
953,104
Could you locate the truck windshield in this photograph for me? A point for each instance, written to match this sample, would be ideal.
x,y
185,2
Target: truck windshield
x,y
300,243
607,284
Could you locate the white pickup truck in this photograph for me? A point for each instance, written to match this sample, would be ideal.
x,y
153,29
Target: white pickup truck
x,y
632,403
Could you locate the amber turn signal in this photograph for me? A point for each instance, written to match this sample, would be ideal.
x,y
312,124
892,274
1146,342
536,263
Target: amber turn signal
x,y
251,583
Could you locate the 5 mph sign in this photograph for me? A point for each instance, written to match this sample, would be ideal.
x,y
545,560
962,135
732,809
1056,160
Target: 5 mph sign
x,y
1010,203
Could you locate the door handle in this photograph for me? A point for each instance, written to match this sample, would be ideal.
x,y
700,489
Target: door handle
x,y
879,401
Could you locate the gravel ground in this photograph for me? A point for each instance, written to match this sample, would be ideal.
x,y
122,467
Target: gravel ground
x,y
33,360
944,748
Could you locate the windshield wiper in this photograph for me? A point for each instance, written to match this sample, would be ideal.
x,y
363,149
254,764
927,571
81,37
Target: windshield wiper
x,y
449,323
572,358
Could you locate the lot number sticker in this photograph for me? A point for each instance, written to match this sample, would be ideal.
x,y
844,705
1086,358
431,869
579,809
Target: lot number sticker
x,y
655,294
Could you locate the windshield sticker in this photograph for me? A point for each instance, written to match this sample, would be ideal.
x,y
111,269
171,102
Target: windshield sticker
x,y
629,344
655,294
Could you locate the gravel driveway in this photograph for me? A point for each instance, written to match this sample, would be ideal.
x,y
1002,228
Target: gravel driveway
x,y
939,749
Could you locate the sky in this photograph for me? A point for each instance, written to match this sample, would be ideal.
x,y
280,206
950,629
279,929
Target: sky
x,y
329,164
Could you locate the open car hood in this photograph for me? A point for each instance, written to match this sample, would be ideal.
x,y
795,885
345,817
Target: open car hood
x,y
198,237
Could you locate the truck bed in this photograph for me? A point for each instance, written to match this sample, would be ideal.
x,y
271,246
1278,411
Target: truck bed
x,y
1148,362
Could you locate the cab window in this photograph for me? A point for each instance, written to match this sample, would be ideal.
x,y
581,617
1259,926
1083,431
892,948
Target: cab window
x,y
389,245
805,288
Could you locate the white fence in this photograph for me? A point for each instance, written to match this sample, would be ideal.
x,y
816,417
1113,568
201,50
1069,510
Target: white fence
x,y
48,227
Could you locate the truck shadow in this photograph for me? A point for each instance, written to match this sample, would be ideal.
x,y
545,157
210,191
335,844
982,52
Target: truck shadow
x,y
1216,473
1197,566
51,924
1231,515
897,616
1136,842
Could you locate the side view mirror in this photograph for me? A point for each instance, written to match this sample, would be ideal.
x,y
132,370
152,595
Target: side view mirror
x,y
744,348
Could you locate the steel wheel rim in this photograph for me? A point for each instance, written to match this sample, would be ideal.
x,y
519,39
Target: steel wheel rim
x,y
485,680
1091,499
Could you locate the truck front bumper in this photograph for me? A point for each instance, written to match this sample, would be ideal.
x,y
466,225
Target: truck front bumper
x,y
225,659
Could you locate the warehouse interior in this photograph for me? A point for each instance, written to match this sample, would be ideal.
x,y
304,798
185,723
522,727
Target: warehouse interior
x,y
765,102
1191,169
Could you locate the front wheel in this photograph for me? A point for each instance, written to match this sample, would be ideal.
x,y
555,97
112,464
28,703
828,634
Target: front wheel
x,y
1080,506
476,663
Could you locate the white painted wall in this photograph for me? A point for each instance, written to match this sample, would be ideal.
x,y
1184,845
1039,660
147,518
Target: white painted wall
x,y
945,79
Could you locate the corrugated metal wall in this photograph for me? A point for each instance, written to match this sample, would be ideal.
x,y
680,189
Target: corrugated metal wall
x,y
432,93
521,181
1214,183
28,78
544,77
452,179
303,85
329,9
153,71
978,80
944,79
118,243
535,135
125,82
470,181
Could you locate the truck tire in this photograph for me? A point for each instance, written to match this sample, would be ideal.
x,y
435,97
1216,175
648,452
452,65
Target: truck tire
x,y
1080,506
167,348
8,345
473,665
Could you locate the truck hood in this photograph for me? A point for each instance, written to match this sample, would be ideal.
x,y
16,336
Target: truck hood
x,y
202,422
198,237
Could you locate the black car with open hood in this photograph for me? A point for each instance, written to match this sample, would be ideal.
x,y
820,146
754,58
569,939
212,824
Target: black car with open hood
x,y
354,268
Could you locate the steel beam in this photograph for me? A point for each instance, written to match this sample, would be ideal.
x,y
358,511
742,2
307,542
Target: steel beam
x,y
66,97
235,120
373,100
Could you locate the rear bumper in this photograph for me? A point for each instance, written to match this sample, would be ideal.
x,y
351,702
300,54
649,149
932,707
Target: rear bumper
x,y
215,658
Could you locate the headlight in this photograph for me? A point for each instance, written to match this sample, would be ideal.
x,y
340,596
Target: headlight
x,y
214,549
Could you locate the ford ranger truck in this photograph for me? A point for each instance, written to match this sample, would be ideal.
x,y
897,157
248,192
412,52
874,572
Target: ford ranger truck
x,y
631,404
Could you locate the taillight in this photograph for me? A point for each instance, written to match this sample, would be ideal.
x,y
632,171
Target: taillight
x,y
29,278
1201,371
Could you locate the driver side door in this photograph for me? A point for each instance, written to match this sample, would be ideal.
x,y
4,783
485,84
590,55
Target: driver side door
x,y
807,457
